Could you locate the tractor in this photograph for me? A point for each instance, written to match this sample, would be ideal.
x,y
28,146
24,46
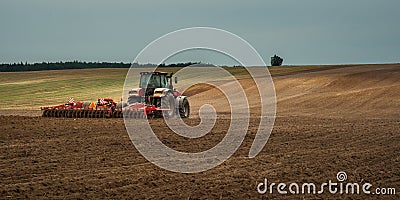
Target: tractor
x,y
157,97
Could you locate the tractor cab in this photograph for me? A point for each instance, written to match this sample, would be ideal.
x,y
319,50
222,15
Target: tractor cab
x,y
154,80
151,83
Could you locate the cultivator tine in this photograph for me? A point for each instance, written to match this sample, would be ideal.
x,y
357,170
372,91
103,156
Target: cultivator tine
x,y
79,113
99,113
96,114
91,114
82,114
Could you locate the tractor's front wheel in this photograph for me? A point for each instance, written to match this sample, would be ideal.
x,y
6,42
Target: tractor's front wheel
x,y
168,106
184,109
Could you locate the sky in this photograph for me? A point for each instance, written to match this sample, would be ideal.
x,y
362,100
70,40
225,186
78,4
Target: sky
x,y
302,32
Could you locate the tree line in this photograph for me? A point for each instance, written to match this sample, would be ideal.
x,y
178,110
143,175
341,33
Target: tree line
x,y
19,67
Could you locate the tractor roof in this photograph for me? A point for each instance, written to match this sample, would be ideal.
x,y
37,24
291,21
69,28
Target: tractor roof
x,y
154,73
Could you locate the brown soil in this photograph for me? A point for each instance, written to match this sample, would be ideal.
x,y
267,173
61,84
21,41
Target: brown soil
x,y
343,119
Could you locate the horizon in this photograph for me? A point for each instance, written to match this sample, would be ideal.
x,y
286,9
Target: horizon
x,y
194,62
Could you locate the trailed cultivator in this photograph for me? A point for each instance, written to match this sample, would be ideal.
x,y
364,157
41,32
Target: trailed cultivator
x,y
155,97
103,108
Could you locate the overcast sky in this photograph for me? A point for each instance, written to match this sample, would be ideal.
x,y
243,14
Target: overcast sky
x,y
302,32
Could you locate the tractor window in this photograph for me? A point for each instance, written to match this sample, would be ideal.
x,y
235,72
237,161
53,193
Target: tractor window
x,y
153,81
164,81
150,81
144,80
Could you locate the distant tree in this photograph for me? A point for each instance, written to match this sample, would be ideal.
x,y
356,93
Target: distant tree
x,y
276,60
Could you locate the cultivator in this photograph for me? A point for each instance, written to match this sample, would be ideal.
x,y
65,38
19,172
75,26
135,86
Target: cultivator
x,y
104,108
155,97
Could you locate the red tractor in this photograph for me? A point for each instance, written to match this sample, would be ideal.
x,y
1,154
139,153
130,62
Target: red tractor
x,y
157,97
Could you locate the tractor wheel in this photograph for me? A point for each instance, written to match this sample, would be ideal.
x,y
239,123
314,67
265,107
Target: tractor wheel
x,y
168,102
184,109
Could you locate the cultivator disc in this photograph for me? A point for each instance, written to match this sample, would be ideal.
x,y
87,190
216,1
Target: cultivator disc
x,y
65,113
77,113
